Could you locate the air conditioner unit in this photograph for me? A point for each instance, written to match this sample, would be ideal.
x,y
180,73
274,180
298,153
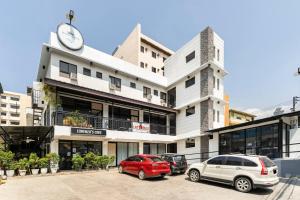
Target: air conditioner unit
x,y
149,96
73,76
112,87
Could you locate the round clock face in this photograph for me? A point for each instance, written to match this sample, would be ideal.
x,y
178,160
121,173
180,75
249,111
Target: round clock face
x,y
69,36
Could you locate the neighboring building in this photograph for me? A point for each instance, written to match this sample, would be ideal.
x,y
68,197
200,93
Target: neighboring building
x,y
13,108
100,103
276,137
233,116
143,51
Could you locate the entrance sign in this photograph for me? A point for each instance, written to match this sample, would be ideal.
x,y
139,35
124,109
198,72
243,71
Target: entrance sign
x,y
140,127
87,131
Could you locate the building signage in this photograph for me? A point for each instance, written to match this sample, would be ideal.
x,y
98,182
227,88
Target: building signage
x,y
140,127
87,131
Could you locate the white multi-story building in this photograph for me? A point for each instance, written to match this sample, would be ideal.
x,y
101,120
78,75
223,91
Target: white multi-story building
x,y
13,109
102,103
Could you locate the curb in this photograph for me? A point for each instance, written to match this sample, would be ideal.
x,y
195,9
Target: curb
x,y
284,192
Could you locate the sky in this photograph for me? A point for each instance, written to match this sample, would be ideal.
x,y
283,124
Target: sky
x,y
262,38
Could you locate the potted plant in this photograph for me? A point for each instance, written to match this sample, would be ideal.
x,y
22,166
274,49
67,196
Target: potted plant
x,y
34,163
90,160
77,162
11,167
23,165
6,159
53,159
44,163
1,163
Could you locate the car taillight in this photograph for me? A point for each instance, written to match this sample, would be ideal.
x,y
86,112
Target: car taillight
x,y
264,170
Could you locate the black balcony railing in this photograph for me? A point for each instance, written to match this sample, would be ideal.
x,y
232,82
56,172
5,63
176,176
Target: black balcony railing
x,y
76,119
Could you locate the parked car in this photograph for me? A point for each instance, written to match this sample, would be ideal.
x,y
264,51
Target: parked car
x,y
177,162
241,171
145,166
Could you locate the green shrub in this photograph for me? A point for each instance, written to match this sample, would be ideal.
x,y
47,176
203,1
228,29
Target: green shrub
x,y
23,164
53,159
34,161
6,158
12,166
77,162
43,162
99,161
90,160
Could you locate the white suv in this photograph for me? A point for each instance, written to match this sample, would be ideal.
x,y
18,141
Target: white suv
x,y
242,171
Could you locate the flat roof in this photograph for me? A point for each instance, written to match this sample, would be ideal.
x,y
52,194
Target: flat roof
x,y
258,121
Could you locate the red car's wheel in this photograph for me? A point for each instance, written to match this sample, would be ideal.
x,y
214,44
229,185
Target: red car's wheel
x,y
120,169
141,175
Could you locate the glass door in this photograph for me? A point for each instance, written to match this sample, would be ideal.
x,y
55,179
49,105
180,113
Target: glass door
x,y
65,154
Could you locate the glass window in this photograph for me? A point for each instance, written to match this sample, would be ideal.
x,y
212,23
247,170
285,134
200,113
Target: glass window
x,y
220,160
190,57
218,84
153,149
155,92
14,98
267,162
218,116
15,123
15,114
164,59
146,91
142,49
122,151
146,148
115,82
161,148
3,97
214,81
190,111
3,113
142,64
172,98
225,143
153,54
99,75
3,121
238,142
133,149
235,161
190,142
132,85
67,68
251,141
163,96
190,82
86,72
249,163
154,69
3,105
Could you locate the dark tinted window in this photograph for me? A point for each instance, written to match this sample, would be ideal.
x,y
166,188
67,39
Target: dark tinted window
x,y
163,96
98,74
132,85
14,98
190,82
179,158
67,68
190,57
236,161
267,162
86,72
155,92
115,81
155,159
189,143
190,111
249,163
130,158
216,161
153,54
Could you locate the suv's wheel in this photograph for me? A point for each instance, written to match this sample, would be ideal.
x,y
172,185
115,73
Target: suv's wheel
x,y
120,169
141,175
194,175
243,184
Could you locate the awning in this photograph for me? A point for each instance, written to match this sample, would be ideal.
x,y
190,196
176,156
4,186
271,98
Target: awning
x,y
104,95
17,134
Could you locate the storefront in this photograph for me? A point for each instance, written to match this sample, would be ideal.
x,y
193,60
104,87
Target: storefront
x,y
122,150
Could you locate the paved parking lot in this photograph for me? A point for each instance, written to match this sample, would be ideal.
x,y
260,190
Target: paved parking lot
x,y
112,185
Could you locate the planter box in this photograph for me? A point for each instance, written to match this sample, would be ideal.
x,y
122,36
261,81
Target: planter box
x,y
54,170
1,172
44,170
10,173
35,171
22,172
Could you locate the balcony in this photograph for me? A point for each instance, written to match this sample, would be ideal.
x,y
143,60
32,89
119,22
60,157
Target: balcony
x,y
76,119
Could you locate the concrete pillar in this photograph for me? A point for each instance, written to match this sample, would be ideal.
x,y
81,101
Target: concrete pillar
x,y
54,146
105,110
141,116
168,125
105,147
141,147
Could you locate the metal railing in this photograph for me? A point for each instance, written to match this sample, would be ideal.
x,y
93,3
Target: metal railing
x,y
76,119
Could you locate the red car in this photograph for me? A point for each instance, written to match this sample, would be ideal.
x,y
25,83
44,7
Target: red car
x,y
145,166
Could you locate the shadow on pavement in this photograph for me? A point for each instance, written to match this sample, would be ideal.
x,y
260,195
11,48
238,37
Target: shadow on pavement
x,y
152,179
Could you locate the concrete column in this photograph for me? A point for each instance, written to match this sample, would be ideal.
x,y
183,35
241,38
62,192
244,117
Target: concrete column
x,y
105,147
54,146
105,110
141,116
168,125
141,147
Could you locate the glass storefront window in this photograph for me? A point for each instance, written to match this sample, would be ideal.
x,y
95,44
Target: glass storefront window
x,y
238,142
251,141
133,149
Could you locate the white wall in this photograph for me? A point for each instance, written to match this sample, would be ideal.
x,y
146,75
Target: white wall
x,y
194,150
295,138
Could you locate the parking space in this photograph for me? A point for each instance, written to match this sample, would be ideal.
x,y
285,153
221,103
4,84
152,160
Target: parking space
x,y
112,185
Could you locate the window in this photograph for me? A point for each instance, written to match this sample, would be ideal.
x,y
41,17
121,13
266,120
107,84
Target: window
x,y
220,160
132,85
218,54
214,82
115,82
99,75
249,163
146,91
146,65
3,121
86,72
218,84
15,123
190,82
14,98
3,105
190,57
164,59
142,49
153,54
142,64
154,69
14,106
218,116
189,143
235,161
214,115
15,114
163,96
172,97
3,97
66,69
155,92
3,113
190,111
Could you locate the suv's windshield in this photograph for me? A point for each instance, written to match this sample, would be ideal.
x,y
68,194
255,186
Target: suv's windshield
x,y
267,162
179,158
